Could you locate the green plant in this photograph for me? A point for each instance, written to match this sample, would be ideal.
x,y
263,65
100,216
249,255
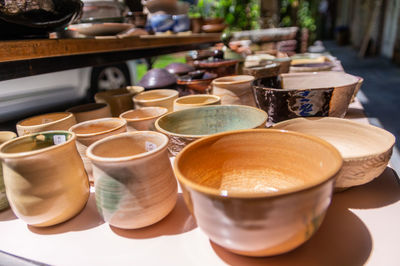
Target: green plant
x,y
194,11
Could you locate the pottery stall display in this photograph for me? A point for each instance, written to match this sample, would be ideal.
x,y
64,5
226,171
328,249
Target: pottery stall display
x,y
262,71
366,149
258,192
91,131
192,101
45,180
158,78
90,111
305,94
234,89
119,100
185,126
134,182
4,137
179,69
196,82
158,98
143,118
221,67
46,122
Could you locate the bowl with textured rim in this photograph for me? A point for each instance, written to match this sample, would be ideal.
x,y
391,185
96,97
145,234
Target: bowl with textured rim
x,y
184,126
258,192
143,118
46,122
366,149
158,98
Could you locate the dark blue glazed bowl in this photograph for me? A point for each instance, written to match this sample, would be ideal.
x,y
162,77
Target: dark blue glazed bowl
x,y
161,22
181,23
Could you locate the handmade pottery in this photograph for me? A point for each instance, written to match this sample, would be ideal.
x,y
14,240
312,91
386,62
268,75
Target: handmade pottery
x,y
181,23
134,182
161,22
90,111
4,136
213,28
366,149
157,78
185,126
100,29
312,67
91,131
234,89
284,64
196,82
46,122
45,180
158,98
192,101
196,24
258,192
262,71
143,118
221,67
197,55
305,94
119,100
179,68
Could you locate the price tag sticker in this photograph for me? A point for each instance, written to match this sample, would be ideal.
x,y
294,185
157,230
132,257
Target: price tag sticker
x,y
150,146
59,139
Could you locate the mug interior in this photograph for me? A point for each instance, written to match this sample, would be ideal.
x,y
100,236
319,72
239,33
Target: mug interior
x,y
97,126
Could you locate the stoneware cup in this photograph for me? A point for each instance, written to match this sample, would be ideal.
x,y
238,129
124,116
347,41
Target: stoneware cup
x,y
45,180
258,192
134,182
46,122
366,149
234,89
119,100
4,136
159,98
143,118
91,131
90,111
198,100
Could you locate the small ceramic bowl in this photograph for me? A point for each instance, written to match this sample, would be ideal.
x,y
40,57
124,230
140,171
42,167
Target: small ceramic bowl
x,y
258,192
196,82
262,71
119,100
234,89
192,101
158,98
4,137
161,22
221,67
284,64
179,68
184,126
305,94
366,149
181,23
143,118
90,111
157,78
46,122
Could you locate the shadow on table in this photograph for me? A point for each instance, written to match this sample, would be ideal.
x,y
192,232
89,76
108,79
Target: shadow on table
x,y
7,215
179,221
86,219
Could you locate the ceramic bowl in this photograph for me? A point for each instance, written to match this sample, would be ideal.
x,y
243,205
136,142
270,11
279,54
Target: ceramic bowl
x,y
196,82
314,67
221,67
284,64
262,71
46,122
89,132
158,98
181,23
161,22
45,180
192,101
90,111
157,78
366,149
119,100
143,118
4,136
258,192
179,68
134,182
234,89
305,94
213,28
184,126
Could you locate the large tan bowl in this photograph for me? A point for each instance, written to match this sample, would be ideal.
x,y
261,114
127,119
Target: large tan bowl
x,y
197,100
46,122
90,111
258,192
143,118
184,126
159,98
45,180
366,149
234,89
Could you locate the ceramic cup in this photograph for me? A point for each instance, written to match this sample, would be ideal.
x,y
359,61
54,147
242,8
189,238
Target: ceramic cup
x,y
90,111
159,98
134,182
4,136
258,192
45,180
198,100
119,100
46,122
234,89
91,131
143,118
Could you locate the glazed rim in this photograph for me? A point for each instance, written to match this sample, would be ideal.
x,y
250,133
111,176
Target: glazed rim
x,y
68,116
368,127
34,152
216,192
172,94
235,79
162,109
91,156
267,66
209,106
122,124
86,107
215,99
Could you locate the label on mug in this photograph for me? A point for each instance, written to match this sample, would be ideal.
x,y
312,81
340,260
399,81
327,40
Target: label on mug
x,y
59,139
150,146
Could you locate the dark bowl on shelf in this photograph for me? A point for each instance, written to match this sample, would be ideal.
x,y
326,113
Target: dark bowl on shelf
x,y
221,67
197,82
157,78
203,55
179,68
